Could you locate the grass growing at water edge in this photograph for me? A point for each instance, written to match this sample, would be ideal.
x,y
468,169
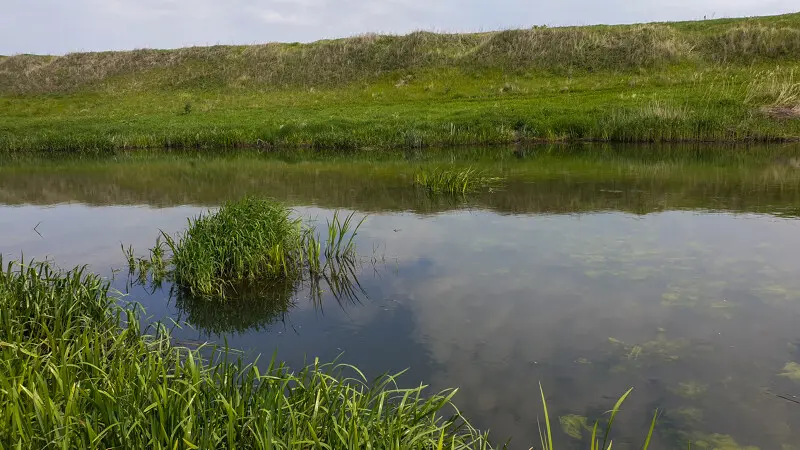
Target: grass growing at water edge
x,y
244,240
244,243
77,372
455,181
546,433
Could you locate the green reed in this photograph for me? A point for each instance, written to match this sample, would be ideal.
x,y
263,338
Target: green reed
x,y
455,181
546,433
340,236
130,257
243,243
245,240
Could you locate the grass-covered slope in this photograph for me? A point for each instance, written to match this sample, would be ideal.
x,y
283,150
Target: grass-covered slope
x,y
733,79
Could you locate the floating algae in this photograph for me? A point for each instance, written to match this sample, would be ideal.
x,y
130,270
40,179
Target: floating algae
x,y
659,348
791,371
679,298
719,442
573,425
690,414
690,390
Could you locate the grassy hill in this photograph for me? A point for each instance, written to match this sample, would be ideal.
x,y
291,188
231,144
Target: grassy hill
x,y
720,80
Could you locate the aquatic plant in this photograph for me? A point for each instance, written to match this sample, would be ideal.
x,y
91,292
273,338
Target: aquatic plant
x,y
130,257
244,240
340,243
230,278
573,426
690,389
791,371
455,181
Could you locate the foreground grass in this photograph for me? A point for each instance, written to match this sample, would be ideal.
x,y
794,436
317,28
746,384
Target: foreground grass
x,y
727,80
77,372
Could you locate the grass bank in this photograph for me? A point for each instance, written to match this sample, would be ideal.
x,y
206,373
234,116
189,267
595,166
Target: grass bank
x,y
720,80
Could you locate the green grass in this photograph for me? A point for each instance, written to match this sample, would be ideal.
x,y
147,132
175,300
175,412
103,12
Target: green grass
x,y
77,372
246,240
454,181
340,245
692,81
244,251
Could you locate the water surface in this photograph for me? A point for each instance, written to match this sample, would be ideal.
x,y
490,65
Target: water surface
x,y
591,274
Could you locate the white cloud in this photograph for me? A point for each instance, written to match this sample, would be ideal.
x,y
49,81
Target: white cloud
x,y
270,16
54,26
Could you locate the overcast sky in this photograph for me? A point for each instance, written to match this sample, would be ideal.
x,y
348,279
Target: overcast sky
x,y
60,26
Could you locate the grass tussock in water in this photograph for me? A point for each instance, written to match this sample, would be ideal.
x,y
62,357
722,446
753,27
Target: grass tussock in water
x,y
245,240
245,246
77,372
455,181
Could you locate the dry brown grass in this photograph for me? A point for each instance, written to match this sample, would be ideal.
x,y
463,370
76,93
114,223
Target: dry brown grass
x,y
751,43
776,94
350,60
781,112
583,48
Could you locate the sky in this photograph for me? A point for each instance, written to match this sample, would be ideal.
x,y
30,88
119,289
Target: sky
x,y
59,27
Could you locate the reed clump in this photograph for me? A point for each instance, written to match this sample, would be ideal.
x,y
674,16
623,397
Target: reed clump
x,y
248,244
455,181
245,240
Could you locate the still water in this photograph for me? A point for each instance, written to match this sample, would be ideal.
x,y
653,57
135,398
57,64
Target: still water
x,y
684,287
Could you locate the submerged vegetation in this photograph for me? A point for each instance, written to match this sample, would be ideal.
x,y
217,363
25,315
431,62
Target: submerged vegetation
x,y
696,81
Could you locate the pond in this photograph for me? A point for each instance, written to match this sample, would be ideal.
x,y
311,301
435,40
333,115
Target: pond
x,y
672,270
